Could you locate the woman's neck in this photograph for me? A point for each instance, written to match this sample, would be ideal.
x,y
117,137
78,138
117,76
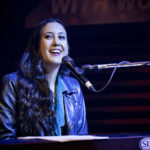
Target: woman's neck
x,y
52,71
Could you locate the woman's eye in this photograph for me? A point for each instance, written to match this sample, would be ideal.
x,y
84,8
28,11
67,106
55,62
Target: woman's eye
x,y
48,36
62,37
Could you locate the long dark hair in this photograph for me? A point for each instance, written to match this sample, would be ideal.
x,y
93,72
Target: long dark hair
x,y
35,98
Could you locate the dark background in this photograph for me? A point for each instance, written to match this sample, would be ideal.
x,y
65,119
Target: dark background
x,y
124,106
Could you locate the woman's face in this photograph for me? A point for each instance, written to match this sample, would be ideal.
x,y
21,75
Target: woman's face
x,y
53,43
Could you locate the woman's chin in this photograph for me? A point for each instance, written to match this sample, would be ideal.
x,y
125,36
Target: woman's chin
x,y
52,63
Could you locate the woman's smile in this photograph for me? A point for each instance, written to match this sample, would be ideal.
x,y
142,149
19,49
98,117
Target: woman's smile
x,y
55,52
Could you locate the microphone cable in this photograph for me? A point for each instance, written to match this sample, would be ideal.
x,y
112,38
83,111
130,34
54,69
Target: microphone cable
x,y
110,78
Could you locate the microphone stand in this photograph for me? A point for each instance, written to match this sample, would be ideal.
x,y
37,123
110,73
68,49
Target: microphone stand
x,y
113,65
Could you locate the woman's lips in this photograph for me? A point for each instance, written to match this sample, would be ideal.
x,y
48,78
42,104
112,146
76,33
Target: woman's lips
x,y
55,52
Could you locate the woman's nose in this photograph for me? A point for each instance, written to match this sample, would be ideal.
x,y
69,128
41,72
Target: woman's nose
x,y
56,42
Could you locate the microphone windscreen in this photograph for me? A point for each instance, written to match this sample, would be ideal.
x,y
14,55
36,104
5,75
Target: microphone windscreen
x,y
66,59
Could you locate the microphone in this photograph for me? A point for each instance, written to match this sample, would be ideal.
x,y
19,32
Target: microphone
x,y
69,63
113,65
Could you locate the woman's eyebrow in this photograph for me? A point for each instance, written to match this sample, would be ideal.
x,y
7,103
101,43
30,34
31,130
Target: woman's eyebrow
x,y
61,32
49,32
52,32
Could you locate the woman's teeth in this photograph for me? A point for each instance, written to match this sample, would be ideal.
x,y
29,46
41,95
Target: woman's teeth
x,y
55,51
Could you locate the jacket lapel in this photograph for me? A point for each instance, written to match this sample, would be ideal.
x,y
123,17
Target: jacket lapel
x,y
70,104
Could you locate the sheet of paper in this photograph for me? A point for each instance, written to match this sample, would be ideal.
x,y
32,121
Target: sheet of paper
x,y
65,138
